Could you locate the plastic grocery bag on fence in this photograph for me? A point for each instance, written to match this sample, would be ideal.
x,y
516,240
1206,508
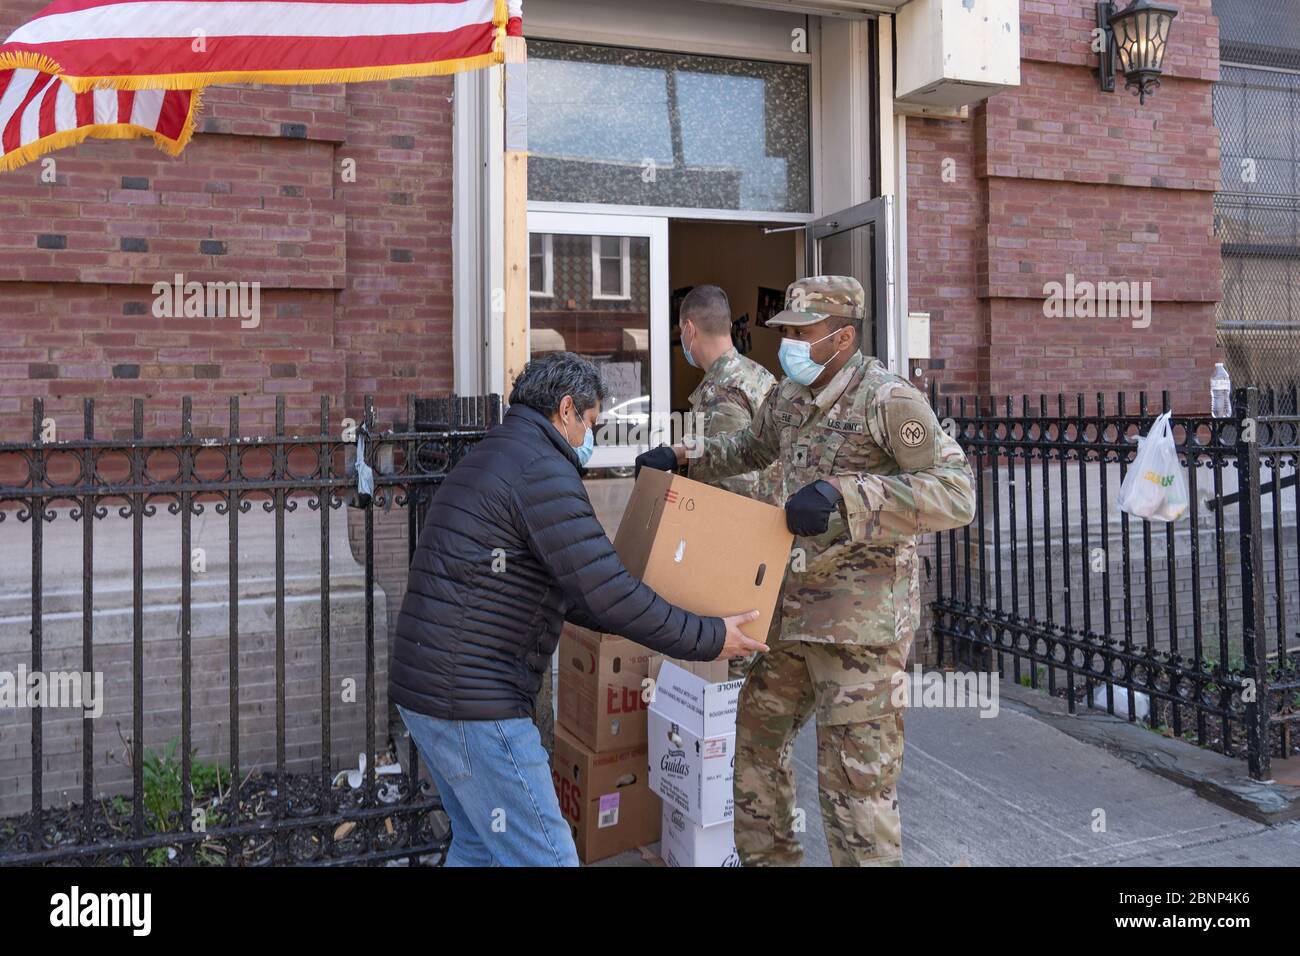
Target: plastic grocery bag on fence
x,y
1155,487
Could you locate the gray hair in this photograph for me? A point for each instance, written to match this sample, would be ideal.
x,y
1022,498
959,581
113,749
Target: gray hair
x,y
708,308
546,380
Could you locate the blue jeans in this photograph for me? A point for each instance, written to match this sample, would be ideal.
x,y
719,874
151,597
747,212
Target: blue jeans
x,y
494,778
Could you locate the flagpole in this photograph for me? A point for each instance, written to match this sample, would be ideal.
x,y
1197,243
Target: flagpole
x,y
515,327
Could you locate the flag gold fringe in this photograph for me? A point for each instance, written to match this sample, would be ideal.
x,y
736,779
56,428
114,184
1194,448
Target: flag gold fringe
x,y
70,137
29,60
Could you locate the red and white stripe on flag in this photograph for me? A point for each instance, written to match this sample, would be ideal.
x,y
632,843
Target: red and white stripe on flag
x,y
38,113
52,64
188,44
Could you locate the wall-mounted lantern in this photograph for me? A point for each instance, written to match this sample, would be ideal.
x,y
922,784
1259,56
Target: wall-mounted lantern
x,y
1135,40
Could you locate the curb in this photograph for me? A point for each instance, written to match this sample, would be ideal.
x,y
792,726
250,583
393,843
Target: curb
x,y
1221,780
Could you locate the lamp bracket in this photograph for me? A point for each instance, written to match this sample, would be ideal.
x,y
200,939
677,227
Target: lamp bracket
x,y
1106,66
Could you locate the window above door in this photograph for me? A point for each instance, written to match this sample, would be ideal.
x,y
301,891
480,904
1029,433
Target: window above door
x,y
647,128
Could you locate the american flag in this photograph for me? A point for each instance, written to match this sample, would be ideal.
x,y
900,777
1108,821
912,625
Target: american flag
x,y
38,113
113,47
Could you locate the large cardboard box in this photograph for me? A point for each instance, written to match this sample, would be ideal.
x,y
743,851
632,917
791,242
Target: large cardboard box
x,y
692,728
604,797
602,698
705,549
683,843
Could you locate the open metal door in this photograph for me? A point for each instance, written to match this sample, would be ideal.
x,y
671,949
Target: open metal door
x,y
857,242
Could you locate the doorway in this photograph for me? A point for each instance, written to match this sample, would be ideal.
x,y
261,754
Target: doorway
x,y
609,286
751,266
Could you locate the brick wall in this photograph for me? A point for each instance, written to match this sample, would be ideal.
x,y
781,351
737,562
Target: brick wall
x,y
1056,178
355,277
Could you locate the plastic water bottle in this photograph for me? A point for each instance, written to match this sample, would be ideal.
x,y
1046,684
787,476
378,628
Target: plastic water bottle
x,y
1220,392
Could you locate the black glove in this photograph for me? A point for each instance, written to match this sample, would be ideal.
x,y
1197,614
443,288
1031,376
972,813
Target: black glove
x,y
662,458
808,511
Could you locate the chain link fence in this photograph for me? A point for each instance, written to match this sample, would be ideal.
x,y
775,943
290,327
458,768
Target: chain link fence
x,y
1257,211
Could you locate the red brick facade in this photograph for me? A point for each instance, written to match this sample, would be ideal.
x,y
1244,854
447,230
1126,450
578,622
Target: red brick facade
x,y
1057,177
1051,179
355,276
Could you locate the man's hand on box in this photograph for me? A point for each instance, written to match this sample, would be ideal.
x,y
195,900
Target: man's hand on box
x,y
662,458
808,512
738,643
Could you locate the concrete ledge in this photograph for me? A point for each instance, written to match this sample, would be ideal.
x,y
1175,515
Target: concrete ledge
x,y
1219,779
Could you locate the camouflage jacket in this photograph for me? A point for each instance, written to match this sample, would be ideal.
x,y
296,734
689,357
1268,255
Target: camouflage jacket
x,y
726,400
901,476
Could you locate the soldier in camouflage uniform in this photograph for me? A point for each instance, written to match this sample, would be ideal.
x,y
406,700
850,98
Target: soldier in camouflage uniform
x,y
732,390
726,400
868,470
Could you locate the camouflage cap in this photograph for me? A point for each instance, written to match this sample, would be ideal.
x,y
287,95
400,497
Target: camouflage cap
x,y
817,298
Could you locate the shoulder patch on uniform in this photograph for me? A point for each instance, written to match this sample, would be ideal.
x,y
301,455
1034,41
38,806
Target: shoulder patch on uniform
x,y
911,430
913,433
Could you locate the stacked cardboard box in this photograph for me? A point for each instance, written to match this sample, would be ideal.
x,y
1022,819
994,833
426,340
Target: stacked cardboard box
x,y
685,844
692,730
713,553
599,760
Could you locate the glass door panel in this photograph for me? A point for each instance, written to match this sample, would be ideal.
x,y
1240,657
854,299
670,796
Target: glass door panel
x,y
598,287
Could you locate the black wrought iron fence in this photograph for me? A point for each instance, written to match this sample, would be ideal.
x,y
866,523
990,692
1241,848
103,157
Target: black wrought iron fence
x,y
1189,627
242,649
458,418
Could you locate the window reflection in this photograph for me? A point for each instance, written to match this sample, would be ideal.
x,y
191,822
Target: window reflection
x,y
599,307
637,127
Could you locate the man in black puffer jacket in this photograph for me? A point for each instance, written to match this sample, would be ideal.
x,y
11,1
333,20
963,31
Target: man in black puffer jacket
x,y
510,550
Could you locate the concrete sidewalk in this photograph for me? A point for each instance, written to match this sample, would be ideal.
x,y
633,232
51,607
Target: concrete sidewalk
x,y
1014,791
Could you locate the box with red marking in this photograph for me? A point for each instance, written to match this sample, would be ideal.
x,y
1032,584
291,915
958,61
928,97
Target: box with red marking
x,y
705,549
605,797
692,731
602,696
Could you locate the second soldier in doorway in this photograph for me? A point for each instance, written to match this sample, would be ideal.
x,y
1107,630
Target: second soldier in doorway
x,y
733,387
867,470
727,398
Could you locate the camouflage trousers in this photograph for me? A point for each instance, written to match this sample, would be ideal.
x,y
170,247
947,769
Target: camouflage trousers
x,y
847,688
